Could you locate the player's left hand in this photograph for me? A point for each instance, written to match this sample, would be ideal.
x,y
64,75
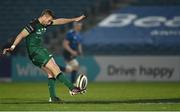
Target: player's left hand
x,y
80,18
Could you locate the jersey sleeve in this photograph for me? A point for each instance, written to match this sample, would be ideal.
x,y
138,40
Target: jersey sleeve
x,y
30,27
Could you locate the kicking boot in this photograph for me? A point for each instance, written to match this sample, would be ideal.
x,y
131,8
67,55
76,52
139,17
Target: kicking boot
x,y
75,91
55,100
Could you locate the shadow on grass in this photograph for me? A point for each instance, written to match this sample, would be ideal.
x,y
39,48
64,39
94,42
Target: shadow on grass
x,y
133,101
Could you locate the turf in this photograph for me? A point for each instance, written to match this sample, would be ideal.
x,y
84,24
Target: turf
x,y
100,96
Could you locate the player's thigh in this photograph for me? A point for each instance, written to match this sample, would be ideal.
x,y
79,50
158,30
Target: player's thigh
x,y
50,74
40,57
53,67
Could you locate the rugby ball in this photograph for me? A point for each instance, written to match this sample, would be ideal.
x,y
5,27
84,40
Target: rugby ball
x,y
82,81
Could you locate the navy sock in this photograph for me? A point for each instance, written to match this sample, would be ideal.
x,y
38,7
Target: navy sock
x,y
73,76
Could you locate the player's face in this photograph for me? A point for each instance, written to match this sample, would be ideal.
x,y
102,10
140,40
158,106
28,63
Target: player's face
x,y
47,20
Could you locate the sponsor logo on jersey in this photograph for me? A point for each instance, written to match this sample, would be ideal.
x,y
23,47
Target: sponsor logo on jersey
x,y
41,31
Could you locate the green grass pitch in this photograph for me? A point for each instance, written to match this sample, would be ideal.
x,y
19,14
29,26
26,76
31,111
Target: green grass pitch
x,y
100,96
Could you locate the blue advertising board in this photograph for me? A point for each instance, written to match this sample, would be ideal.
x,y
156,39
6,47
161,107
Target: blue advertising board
x,y
137,30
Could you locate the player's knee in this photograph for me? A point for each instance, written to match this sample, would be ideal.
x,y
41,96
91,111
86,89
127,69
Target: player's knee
x,y
69,68
74,64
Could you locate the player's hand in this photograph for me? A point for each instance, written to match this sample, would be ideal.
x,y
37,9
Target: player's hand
x,y
74,53
6,50
79,18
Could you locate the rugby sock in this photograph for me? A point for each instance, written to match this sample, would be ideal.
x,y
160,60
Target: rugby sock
x,y
51,85
73,76
65,81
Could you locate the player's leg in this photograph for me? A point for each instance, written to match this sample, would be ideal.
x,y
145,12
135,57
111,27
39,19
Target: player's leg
x,y
73,65
51,84
67,68
67,58
53,67
42,58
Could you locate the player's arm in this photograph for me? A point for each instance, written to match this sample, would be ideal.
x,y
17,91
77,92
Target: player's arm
x,y
68,48
24,33
61,21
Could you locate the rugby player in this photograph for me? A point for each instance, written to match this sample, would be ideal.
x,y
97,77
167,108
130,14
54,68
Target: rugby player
x,y
33,34
72,48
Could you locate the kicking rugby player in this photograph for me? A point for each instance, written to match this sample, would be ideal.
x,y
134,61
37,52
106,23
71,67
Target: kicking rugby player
x,y
33,33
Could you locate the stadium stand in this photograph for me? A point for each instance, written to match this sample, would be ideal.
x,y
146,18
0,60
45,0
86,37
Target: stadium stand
x,y
133,31
15,14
